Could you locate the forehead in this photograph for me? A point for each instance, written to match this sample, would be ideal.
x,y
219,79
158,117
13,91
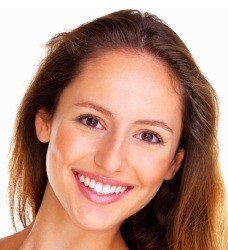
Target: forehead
x,y
139,83
134,64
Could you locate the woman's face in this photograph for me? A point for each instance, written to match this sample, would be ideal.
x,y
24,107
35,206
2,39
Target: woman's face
x,y
113,139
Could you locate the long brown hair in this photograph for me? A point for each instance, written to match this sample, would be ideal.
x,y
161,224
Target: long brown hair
x,y
186,211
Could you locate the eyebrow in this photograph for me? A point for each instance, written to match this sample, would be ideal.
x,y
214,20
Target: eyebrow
x,y
106,112
155,123
94,106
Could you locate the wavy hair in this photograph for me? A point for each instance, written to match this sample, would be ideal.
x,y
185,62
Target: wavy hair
x,y
187,212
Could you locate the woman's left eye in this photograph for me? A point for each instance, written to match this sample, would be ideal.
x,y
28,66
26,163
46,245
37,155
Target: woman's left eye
x,y
90,121
149,137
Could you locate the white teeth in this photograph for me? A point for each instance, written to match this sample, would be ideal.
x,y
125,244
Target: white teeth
x,y
92,184
106,189
113,189
123,189
87,181
82,178
118,189
99,188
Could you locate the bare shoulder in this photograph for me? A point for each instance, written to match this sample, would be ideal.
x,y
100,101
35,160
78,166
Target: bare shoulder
x,y
13,242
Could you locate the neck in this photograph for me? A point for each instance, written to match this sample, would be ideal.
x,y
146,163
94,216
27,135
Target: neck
x,y
54,229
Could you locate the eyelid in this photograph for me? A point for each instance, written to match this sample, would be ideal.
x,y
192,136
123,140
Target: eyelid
x,y
160,139
89,115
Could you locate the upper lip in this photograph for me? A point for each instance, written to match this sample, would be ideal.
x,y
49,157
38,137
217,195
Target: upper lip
x,y
102,179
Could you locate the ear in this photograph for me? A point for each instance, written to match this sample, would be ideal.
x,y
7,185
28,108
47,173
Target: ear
x,y
43,126
175,164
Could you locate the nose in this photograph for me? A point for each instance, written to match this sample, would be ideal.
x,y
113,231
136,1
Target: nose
x,y
111,154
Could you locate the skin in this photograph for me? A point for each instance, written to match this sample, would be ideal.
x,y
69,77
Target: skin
x,y
128,88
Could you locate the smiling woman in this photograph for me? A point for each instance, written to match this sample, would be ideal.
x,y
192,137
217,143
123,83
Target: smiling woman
x,y
109,146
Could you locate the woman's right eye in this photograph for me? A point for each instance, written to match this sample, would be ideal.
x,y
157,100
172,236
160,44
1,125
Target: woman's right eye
x,y
90,121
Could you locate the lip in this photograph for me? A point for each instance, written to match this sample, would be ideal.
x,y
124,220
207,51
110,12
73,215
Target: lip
x,y
104,180
99,198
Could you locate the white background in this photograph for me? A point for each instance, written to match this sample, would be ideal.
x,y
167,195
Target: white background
x,y
24,32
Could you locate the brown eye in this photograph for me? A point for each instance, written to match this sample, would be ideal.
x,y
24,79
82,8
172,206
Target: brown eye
x,y
149,137
90,121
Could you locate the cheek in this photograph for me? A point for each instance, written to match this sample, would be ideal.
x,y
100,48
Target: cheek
x,y
67,145
61,147
152,167
57,161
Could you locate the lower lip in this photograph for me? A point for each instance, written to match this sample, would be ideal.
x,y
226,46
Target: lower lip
x,y
99,198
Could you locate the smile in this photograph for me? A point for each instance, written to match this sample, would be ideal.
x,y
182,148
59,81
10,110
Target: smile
x,y
99,189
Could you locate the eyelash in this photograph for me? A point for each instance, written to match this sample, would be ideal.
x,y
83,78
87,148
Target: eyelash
x,y
159,139
87,116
